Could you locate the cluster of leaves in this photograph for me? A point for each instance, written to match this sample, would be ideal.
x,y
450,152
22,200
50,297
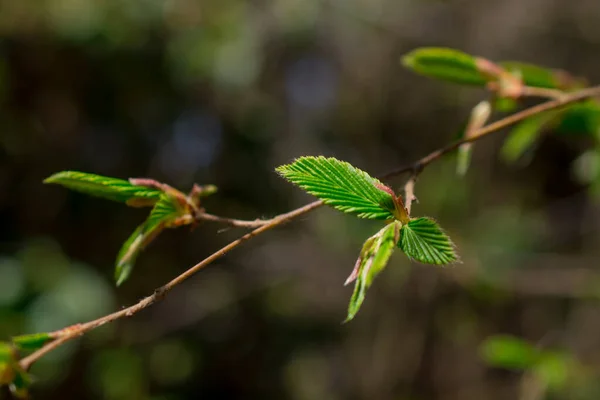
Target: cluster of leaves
x,y
352,191
170,208
11,372
510,81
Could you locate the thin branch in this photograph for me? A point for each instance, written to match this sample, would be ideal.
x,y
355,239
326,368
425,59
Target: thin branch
x,y
233,222
497,126
66,335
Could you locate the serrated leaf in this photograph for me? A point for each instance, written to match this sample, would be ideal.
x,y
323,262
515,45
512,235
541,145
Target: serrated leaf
x,y
524,135
423,240
341,186
445,64
106,187
31,342
373,258
165,211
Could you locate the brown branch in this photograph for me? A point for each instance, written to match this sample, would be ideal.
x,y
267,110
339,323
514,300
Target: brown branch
x,y
233,222
66,335
497,126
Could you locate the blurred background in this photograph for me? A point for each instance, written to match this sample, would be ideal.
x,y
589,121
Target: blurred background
x,y
223,91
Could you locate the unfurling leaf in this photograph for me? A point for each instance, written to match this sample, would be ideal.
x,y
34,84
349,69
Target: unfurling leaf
x,y
164,215
342,186
423,240
524,135
479,116
445,64
105,187
509,352
31,342
372,260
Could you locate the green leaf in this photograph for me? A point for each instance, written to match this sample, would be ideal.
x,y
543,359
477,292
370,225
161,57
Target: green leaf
x,y
11,373
423,240
373,258
164,213
534,75
555,369
581,119
445,64
31,342
524,135
105,187
6,360
509,352
341,186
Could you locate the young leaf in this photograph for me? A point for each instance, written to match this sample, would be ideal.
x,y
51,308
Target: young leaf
x,y
445,64
7,373
164,214
524,135
105,187
372,260
31,342
423,240
11,373
341,186
479,116
537,76
509,352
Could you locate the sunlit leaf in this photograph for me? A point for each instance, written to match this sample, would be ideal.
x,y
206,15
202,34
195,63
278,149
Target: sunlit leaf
x,y
31,342
423,240
106,187
509,352
445,64
163,215
373,258
341,186
522,137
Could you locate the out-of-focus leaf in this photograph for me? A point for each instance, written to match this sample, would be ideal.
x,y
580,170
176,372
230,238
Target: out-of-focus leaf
x,y
509,352
342,186
6,360
580,119
163,215
11,373
505,104
479,115
106,187
373,258
445,64
524,135
534,75
554,368
423,240
587,166
31,342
